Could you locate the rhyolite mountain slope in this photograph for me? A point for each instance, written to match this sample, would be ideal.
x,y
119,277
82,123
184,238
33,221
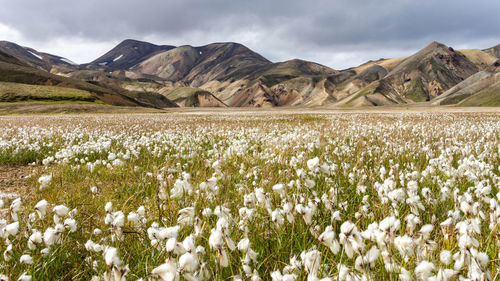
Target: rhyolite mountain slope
x,y
494,51
35,58
198,65
482,59
194,97
230,74
29,83
480,89
240,77
127,54
419,78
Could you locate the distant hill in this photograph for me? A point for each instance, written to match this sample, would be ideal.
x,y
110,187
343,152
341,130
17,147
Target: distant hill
x,y
35,58
481,59
51,86
480,89
494,51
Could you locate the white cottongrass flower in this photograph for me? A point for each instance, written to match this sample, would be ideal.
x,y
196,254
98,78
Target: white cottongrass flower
x,y
445,257
36,238
41,208
15,207
328,238
216,242
313,164
185,216
280,189
12,228
44,181
26,259
350,238
311,261
24,277
406,246
167,271
93,247
424,270
108,207
59,211
133,218
111,257
188,262
7,254
70,224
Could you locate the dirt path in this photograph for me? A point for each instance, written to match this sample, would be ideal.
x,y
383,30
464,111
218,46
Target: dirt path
x,y
13,180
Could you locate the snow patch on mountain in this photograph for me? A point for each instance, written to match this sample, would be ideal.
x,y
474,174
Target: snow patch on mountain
x,y
37,56
119,57
68,61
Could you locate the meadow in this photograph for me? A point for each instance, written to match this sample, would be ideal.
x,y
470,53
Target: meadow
x,y
252,196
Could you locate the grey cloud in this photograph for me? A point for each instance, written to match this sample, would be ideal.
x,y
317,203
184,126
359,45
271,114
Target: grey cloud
x,y
329,32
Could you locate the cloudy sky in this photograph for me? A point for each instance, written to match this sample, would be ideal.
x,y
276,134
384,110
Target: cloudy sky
x,y
337,33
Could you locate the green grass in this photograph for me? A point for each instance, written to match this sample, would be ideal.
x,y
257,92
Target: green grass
x,y
368,90
28,75
416,92
455,99
487,97
11,92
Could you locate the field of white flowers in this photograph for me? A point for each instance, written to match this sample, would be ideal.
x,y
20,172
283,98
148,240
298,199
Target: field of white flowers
x,y
282,197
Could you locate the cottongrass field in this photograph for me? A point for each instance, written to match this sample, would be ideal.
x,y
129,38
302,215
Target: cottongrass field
x,y
259,196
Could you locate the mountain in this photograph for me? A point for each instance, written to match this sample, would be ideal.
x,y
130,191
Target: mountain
x,y
494,51
482,88
422,76
198,65
27,83
255,85
172,65
216,68
230,74
127,54
35,58
387,64
483,60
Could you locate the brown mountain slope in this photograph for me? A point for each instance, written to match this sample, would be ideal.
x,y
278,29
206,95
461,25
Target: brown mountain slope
x,y
294,77
35,58
257,95
388,64
494,51
127,54
14,71
481,59
194,97
196,66
221,60
484,82
426,74
172,65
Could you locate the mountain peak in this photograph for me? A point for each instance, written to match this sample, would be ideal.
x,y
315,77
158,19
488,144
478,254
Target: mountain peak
x,y
127,54
436,46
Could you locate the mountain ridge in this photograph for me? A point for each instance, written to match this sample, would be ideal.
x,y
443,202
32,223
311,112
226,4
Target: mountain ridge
x,y
234,75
